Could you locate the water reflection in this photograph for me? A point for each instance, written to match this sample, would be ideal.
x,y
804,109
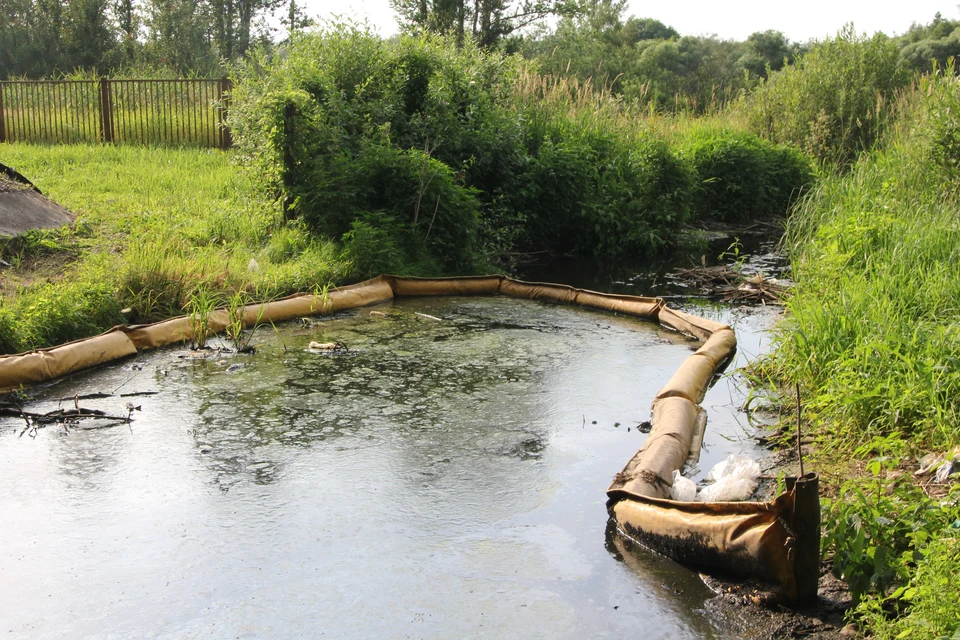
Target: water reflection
x,y
445,478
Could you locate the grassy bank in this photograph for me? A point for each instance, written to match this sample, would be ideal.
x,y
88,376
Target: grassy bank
x,y
873,337
153,226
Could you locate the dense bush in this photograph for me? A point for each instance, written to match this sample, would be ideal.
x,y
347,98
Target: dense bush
x,y
832,102
589,189
740,176
444,151
942,119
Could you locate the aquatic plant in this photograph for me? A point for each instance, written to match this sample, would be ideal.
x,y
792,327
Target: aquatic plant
x,y
200,304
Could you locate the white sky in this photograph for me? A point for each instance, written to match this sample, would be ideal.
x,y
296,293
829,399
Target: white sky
x,y
733,20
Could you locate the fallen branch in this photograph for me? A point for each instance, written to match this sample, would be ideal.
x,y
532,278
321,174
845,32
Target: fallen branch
x,y
731,285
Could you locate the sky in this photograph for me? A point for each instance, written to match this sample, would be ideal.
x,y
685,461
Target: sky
x,y
730,20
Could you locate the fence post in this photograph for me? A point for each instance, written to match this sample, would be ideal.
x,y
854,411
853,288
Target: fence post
x,y
3,122
224,86
106,111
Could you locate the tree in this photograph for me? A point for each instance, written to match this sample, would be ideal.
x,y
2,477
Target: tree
x,y
296,20
88,39
488,21
638,29
232,24
766,49
128,22
177,36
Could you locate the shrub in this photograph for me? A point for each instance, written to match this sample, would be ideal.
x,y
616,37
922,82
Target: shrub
x,y
941,123
418,199
933,593
439,143
590,190
740,176
56,313
897,548
8,328
832,103
371,250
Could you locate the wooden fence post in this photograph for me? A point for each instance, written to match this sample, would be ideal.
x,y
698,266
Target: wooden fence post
x,y
3,122
223,106
106,111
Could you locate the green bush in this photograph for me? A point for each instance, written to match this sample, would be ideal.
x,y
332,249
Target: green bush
x,y
452,153
8,335
832,103
897,548
591,191
942,119
740,176
878,529
50,314
932,595
372,251
419,199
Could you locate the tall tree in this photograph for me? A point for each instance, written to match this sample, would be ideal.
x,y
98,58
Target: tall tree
x,y
88,38
177,36
488,21
233,24
128,23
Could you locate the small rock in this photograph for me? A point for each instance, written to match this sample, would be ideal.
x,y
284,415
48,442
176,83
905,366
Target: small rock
x,y
849,631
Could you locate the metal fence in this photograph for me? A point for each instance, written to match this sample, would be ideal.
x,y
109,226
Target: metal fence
x,y
191,112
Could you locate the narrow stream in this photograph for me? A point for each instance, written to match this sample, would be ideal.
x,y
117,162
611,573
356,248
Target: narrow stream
x,y
443,479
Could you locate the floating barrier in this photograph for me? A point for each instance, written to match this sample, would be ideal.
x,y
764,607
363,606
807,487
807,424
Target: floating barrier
x,y
776,541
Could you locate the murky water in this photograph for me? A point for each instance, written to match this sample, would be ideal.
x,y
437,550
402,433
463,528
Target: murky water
x,y
444,479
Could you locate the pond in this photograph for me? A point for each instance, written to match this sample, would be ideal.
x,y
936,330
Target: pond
x,y
443,478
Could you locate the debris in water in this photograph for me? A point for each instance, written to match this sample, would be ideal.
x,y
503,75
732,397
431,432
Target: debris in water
x,y
734,480
733,286
683,489
332,348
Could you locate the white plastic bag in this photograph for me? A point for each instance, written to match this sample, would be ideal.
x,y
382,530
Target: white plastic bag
x,y
735,479
734,465
683,489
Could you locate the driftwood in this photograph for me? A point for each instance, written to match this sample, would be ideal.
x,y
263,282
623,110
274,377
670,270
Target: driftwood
x,y
732,286
66,417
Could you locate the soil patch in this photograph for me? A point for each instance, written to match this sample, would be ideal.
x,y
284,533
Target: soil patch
x,y
755,609
22,208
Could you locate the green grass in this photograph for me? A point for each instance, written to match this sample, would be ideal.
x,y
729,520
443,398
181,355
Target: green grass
x,y
872,336
153,224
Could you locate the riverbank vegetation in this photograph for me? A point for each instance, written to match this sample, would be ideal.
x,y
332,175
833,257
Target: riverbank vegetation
x,y
430,154
153,227
446,158
871,335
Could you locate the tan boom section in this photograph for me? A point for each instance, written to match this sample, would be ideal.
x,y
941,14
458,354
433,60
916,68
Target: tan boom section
x,y
776,541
